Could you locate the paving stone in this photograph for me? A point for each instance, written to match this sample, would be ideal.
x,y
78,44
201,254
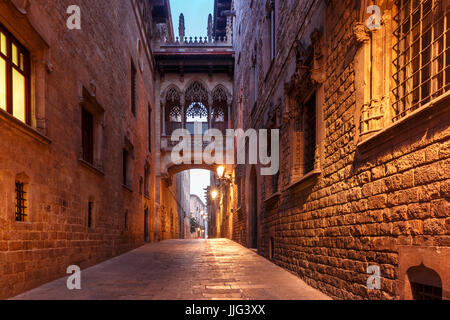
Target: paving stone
x,y
176,270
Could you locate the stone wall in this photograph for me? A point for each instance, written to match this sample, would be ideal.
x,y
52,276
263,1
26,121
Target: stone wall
x,y
97,57
367,199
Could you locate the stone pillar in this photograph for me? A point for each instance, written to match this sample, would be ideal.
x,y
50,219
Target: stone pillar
x,y
163,117
183,111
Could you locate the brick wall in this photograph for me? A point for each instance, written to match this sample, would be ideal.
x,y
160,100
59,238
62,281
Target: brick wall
x,y
97,57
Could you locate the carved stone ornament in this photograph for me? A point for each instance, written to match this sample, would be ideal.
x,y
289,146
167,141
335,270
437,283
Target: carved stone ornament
x,y
360,32
318,74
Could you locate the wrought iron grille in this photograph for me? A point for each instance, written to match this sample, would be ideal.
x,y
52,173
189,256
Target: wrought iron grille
x,y
426,292
21,202
422,54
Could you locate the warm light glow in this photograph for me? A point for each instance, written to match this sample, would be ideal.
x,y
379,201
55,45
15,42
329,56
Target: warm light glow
x,y
3,44
221,171
2,84
18,83
214,194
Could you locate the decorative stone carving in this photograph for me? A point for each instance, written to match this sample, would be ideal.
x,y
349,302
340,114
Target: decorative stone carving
x,y
318,74
361,32
196,92
210,28
181,28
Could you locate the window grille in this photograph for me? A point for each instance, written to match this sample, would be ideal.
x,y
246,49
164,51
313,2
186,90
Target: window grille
x,y
21,202
426,292
422,54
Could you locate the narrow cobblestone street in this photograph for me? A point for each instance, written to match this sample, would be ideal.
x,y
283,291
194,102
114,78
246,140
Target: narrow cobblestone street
x,y
183,269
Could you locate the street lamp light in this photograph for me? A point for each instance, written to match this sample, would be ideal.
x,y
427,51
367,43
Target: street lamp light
x,y
214,194
221,172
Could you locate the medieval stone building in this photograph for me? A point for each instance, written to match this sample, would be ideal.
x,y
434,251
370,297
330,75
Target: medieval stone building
x,y
361,102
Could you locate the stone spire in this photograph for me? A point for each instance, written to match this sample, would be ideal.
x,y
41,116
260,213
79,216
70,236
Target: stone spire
x,y
210,28
181,28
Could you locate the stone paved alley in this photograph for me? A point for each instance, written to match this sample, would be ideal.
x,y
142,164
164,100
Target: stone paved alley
x,y
183,269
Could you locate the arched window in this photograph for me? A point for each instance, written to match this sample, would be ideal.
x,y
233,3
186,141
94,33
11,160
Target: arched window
x,y
219,116
197,112
173,105
173,111
425,283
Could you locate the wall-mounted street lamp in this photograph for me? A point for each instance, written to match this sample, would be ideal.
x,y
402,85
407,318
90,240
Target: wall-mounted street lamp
x,y
214,194
221,173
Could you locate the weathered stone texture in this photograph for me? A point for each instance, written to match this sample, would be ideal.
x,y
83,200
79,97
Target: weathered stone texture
x,y
363,206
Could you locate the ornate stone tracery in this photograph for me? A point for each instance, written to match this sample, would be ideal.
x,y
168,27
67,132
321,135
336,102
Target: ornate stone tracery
x,y
196,103
196,92
197,110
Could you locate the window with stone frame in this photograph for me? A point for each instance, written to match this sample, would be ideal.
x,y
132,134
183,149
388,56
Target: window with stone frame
x,y
15,78
302,117
127,161
21,201
404,64
92,123
172,111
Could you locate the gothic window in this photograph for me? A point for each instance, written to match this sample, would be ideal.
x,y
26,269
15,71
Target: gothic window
x,y
196,115
14,77
197,112
220,107
196,92
422,54
173,106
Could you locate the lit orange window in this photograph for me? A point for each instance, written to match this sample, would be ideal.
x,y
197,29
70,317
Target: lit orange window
x,y
14,77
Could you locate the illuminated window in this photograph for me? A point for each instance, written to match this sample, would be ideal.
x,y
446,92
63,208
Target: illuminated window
x,y
14,77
